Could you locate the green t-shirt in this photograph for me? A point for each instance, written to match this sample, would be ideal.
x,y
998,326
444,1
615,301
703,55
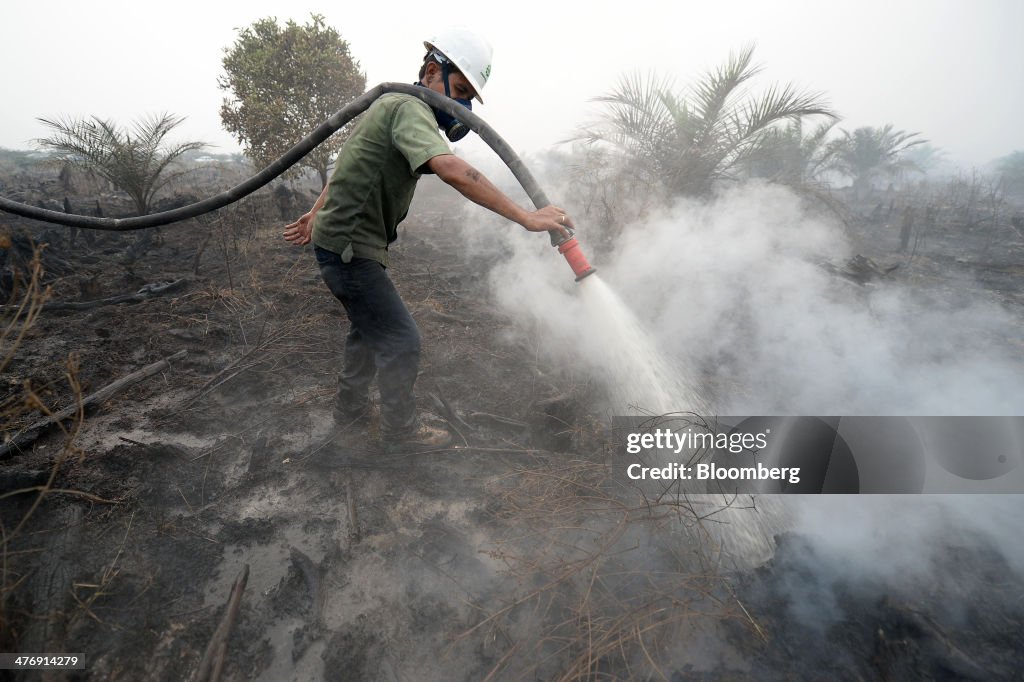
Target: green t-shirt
x,y
375,177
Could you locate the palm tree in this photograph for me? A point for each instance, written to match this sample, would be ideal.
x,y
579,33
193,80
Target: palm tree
x,y
133,160
867,153
687,141
789,156
928,158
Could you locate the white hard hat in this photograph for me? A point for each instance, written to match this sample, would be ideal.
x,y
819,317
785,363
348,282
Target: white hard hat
x,y
470,53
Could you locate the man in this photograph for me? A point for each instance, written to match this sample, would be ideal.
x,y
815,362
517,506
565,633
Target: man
x,y
356,218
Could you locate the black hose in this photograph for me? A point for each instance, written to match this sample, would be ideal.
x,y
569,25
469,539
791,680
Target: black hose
x,y
290,158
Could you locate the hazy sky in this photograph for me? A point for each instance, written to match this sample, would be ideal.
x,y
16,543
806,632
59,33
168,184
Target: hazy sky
x,y
950,69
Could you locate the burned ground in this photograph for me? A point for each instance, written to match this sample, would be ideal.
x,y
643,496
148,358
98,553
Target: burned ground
x,y
509,555
228,457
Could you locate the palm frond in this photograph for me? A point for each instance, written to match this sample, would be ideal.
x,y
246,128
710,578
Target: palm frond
x,y
637,119
780,103
817,151
713,90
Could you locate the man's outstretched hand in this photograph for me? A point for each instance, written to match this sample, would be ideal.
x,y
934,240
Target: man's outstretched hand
x,y
299,233
547,219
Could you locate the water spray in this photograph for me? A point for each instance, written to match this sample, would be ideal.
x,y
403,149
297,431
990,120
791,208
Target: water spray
x,y
567,245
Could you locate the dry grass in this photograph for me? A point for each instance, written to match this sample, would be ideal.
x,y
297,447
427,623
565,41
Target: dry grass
x,y
608,582
18,317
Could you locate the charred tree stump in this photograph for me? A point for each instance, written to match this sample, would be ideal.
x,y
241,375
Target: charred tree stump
x,y
50,586
907,227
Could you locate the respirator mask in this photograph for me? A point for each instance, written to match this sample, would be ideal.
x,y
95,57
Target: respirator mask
x,y
453,128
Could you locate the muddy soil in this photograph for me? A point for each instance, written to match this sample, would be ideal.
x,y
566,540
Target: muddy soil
x,y
499,557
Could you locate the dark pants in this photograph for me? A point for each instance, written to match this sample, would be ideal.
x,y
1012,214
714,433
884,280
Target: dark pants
x,y
383,341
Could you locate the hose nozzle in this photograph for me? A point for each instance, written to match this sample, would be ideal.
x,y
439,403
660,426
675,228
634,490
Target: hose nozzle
x,y
570,248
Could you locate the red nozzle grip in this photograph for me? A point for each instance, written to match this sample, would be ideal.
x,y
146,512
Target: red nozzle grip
x,y
574,256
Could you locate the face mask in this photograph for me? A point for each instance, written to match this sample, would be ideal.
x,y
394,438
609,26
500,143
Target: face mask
x,y
453,128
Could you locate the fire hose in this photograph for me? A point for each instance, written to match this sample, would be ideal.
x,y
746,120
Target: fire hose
x,y
566,245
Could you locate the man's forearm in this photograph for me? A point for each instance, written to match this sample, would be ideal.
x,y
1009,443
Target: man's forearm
x,y
319,201
472,184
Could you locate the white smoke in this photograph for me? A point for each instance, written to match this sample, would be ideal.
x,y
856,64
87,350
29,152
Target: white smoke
x,y
895,536
732,292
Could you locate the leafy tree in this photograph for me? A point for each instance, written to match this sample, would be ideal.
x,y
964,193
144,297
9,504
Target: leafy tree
x,y
1011,168
687,141
134,159
868,153
283,83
